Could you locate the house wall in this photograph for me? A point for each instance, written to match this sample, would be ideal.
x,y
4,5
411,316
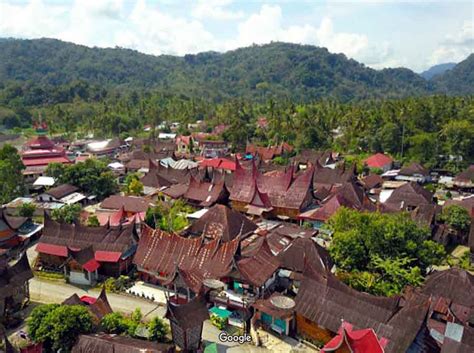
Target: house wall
x,y
51,260
308,329
84,278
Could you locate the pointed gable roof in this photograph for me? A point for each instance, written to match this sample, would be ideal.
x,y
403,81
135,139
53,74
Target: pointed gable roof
x,y
414,168
256,270
357,341
411,194
221,222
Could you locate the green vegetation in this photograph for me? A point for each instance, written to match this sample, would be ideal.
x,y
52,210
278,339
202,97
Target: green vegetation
x,y
58,326
117,323
456,217
218,321
119,284
67,213
168,217
11,178
133,185
381,253
93,221
27,209
92,176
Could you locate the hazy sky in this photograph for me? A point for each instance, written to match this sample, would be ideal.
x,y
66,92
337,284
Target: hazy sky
x,y
384,33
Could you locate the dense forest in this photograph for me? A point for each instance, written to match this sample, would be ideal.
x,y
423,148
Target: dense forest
x,y
301,73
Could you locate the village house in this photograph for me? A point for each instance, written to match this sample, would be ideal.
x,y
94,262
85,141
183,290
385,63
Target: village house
x,y
64,193
14,290
407,197
39,151
98,307
268,153
323,302
221,222
414,172
280,194
187,322
205,194
465,180
350,195
379,161
84,253
130,205
9,230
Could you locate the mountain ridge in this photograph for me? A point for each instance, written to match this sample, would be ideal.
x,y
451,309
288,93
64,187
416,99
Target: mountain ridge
x,y
298,72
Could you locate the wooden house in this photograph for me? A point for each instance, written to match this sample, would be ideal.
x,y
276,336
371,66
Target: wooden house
x,y
64,246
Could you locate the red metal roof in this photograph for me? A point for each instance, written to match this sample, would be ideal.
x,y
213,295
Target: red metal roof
x,y
219,163
44,161
360,341
88,299
378,160
107,256
51,249
91,266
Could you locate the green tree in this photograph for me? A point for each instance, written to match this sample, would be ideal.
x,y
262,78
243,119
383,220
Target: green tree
x,y
11,178
135,188
381,253
67,213
158,329
456,217
55,170
91,176
59,326
27,209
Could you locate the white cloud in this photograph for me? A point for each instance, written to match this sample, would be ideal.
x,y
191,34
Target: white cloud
x,y
266,26
455,48
146,27
216,10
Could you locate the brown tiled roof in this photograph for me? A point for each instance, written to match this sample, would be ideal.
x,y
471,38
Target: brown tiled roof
x,y
466,176
205,194
61,191
454,284
104,343
266,306
164,254
136,164
425,215
414,168
221,222
133,204
189,315
302,252
326,301
175,191
256,270
313,157
281,188
109,239
372,181
13,222
411,194
326,177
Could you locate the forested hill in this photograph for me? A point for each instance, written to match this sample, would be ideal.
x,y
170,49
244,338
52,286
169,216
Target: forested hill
x,y
299,72
459,80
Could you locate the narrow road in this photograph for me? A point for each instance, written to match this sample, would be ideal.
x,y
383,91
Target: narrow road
x,y
45,291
